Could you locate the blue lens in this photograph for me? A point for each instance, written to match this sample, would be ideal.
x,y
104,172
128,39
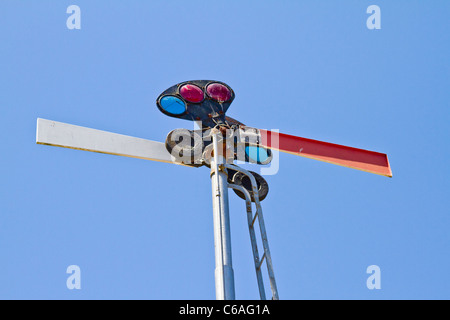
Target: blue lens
x,y
173,105
257,154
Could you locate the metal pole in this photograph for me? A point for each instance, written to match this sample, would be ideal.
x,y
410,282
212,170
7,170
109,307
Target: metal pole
x,y
224,275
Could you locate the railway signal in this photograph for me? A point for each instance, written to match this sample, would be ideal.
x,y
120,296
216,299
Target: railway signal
x,y
217,144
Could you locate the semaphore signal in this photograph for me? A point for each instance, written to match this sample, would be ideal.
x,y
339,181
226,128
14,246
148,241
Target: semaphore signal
x,y
220,141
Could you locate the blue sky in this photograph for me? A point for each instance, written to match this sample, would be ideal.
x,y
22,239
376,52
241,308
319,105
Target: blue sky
x,y
143,230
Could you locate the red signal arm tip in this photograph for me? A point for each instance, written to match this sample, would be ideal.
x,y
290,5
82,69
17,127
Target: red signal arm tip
x,y
365,160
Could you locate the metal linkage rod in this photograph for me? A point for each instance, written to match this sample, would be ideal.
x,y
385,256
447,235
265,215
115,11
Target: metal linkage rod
x,y
262,228
248,203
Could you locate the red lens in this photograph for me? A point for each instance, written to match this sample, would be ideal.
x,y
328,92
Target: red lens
x,y
192,93
218,92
